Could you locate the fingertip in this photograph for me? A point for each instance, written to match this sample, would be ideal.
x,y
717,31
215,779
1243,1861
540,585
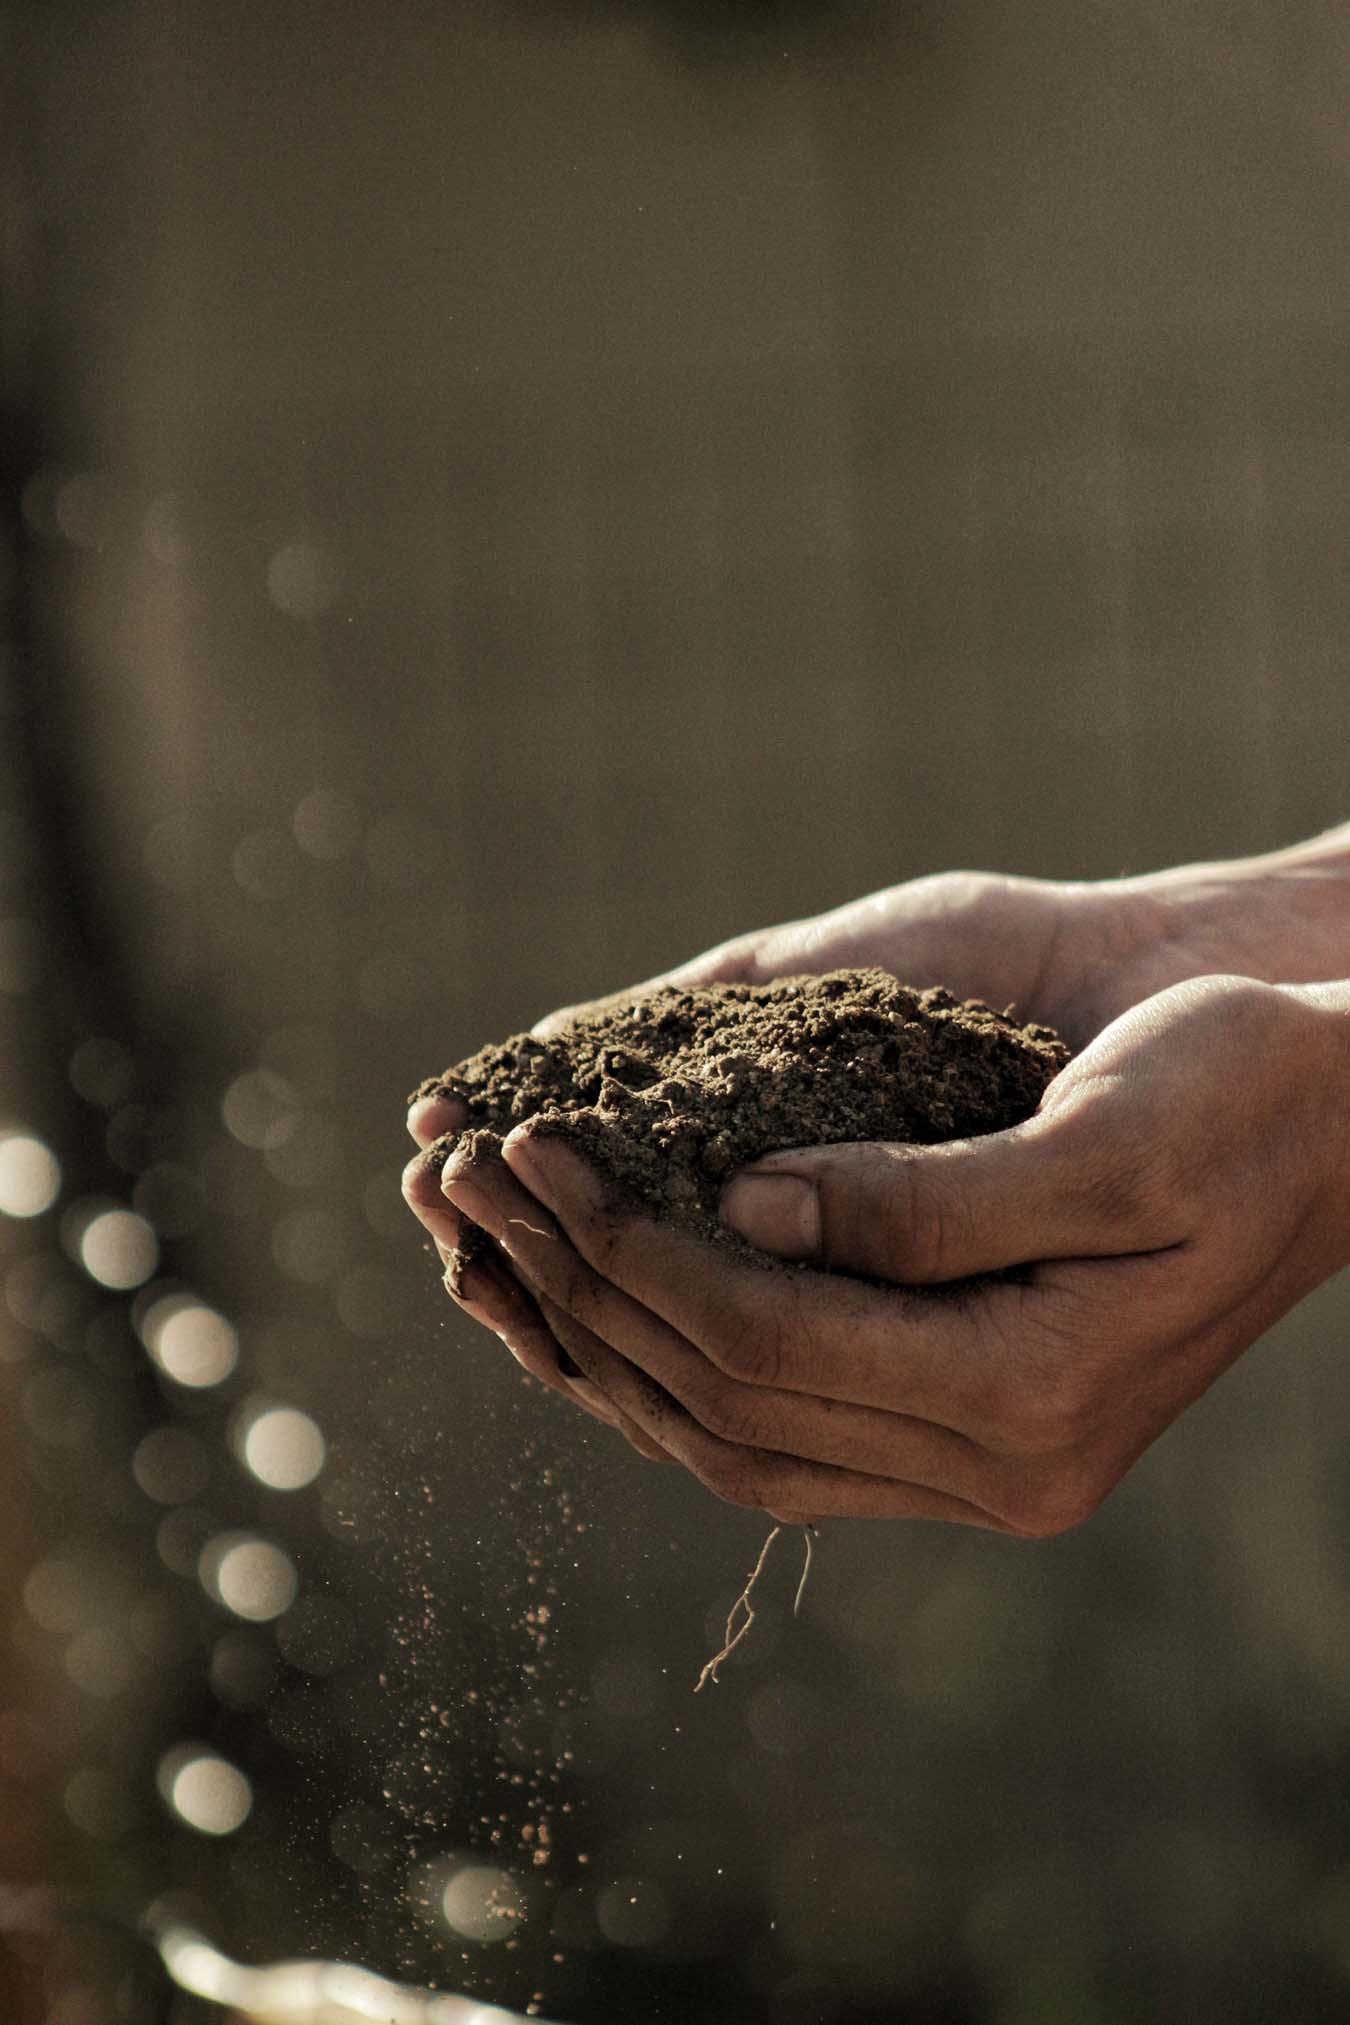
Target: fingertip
x,y
430,1118
778,1213
534,1162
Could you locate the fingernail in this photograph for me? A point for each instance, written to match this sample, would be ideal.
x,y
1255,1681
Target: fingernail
x,y
519,1153
778,1212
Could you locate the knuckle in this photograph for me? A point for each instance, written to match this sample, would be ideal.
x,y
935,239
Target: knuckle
x,y
915,1218
731,1417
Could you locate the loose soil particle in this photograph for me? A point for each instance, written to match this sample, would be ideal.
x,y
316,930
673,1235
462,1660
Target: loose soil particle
x,y
671,1091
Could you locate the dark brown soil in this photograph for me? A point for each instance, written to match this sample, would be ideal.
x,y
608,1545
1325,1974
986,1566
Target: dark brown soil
x,y
672,1091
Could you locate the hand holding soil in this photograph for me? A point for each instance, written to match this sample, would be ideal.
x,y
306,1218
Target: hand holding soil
x,y
1182,1184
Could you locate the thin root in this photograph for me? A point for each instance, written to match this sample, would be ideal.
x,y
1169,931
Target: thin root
x,y
809,1535
745,1609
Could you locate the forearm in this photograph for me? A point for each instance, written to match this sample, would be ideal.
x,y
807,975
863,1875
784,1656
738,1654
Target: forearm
x,y
1283,917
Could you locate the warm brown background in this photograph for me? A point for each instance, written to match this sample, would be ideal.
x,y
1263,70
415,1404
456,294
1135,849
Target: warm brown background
x,y
665,478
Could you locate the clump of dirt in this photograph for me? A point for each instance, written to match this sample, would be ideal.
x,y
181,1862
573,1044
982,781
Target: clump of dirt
x,y
670,1091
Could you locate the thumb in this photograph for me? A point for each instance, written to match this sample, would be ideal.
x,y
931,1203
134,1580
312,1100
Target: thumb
x,y
917,1215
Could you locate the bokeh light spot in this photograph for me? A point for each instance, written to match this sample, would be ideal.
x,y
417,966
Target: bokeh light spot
x,y
100,1662
260,1108
98,1804
101,1071
38,499
302,578
482,1904
85,510
119,1249
243,1669
284,1448
171,1465
190,1342
180,1537
61,1594
204,1790
30,1175
326,824
251,1577
309,1245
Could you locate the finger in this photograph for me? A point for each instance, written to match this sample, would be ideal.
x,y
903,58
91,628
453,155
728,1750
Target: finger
x,y
570,1337
429,1204
431,1118
485,1191
943,1360
921,1215
758,1478
793,1423
500,1196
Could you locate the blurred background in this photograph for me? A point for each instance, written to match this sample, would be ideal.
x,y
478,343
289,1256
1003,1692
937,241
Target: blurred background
x,y
498,495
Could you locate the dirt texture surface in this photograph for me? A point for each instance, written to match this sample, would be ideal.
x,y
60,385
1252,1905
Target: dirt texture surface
x,y
671,1091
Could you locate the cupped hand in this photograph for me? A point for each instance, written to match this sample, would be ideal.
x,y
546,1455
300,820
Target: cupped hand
x,y
1182,1185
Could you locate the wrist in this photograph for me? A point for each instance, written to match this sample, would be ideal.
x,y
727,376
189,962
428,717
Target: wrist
x,y
1328,1005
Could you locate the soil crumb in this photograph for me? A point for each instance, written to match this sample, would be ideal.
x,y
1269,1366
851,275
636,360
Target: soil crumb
x,y
670,1091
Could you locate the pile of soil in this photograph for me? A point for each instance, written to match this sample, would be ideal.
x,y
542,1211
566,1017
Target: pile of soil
x,y
671,1091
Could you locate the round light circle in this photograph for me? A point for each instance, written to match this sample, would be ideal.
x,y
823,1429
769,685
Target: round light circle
x,y
190,1342
284,1449
30,1175
119,1249
205,1791
482,1904
251,1577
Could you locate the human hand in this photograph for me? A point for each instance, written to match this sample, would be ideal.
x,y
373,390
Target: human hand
x,y
1182,1185
1004,939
